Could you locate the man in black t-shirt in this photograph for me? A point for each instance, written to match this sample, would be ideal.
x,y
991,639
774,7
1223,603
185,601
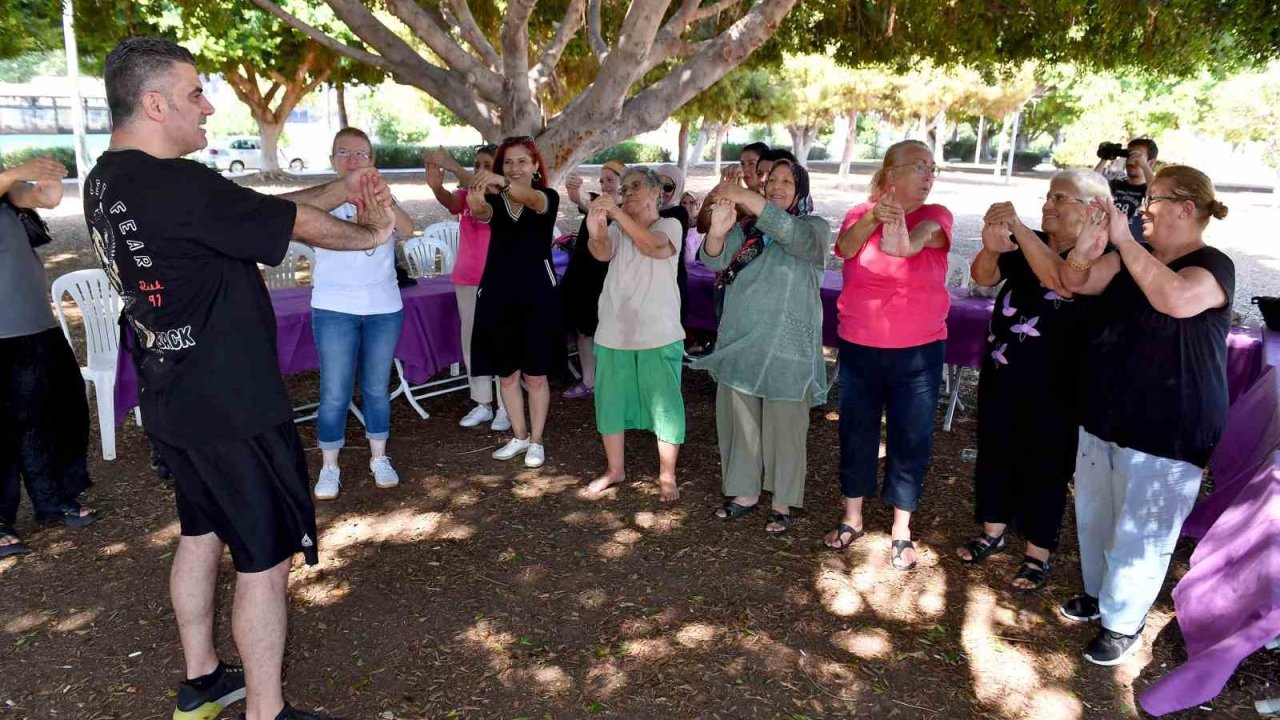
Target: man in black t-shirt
x,y
181,244
1131,191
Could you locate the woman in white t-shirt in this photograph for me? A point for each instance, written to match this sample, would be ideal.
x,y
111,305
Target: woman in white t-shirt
x,y
355,317
639,341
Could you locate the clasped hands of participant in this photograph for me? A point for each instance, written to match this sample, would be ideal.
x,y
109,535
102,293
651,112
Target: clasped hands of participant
x,y
367,190
1107,223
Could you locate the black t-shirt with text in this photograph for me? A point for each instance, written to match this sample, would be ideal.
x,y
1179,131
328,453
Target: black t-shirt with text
x,y
1129,198
181,244
1156,383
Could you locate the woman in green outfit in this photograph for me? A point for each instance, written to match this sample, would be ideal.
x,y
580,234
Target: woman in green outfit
x,y
639,342
768,358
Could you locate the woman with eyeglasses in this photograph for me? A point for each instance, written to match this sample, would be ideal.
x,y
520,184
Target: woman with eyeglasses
x,y
892,326
584,278
640,339
1028,415
768,362
1155,396
355,318
517,322
473,248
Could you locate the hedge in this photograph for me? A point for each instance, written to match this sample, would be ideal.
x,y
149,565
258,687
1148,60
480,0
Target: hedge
x,y
396,156
729,152
1026,161
631,152
64,155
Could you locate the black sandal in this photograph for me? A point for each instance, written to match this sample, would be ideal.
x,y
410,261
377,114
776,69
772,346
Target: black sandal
x,y
775,517
841,545
983,547
68,515
17,547
899,546
733,511
1033,569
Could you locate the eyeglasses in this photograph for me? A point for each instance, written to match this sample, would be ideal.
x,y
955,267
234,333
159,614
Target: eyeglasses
x,y
1148,200
668,187
921,168
627,190
344,154
1061,199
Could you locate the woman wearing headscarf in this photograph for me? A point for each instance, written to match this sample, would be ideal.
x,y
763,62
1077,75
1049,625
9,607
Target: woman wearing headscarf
x,y
671,183
768,360
584,278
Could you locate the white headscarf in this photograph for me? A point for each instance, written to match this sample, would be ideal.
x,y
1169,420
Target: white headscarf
x,y
673,172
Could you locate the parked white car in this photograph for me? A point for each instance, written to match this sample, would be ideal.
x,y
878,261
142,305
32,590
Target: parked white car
x,y
241,153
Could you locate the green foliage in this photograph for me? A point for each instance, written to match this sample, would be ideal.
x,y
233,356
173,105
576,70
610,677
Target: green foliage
x,y
22,68
28,26
962,148
1025,161
1246,108
746,95
631,152
730,152
64,155
391,156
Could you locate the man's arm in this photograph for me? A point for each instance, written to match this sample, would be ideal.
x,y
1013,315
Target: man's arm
x,y
37,183
373,226
336,192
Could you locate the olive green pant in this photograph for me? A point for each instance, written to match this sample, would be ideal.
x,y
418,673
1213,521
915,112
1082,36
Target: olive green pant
x,y
762,437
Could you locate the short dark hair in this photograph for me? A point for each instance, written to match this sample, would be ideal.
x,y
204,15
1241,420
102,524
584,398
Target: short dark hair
x,y
131,69
777,154
758,148
1147,144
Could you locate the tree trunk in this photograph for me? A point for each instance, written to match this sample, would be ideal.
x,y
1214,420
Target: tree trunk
x,y
721,131
269,134
768,134
850,139
705,130
982,134
802,139
939,135
1004,132
341,89
683,141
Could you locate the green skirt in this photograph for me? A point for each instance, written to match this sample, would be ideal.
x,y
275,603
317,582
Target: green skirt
x,y
640,390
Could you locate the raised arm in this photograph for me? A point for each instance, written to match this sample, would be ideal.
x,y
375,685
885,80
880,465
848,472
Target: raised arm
x,y
856,235
1087,270
985,268
336,192
374,223
807,238
1181,294
598,241
442,158
37,183
435,181
896,240
648,241
530,197
1045,263
724,237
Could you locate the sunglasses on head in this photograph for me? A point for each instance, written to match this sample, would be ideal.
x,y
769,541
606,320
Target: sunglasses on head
x,y
517,139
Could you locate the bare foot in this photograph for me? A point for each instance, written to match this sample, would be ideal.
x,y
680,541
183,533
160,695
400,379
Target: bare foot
x,y
604,482
668,490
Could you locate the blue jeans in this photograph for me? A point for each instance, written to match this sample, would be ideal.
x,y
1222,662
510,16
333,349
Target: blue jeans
x,y
903,384
341,340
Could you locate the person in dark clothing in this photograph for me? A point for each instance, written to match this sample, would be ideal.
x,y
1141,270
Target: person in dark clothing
x,y
44,416
1130,191
1027,417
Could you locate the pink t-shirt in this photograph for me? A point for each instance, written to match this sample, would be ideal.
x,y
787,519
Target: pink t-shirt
x,y
473,245
893,302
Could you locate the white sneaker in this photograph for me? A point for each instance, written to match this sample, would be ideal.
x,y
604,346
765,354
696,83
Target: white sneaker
x,y
535,456
329,484
479,414
384,476
511,449
501,423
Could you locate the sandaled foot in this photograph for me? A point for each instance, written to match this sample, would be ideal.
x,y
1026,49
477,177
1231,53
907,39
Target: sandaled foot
x,y
11,544
842,537
1032,575
778,523
730,510
604,482
668,490
70,515
981,548
904,555
577,392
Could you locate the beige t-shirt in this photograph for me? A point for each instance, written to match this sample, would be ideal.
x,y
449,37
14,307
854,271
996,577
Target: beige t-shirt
x,y
640,304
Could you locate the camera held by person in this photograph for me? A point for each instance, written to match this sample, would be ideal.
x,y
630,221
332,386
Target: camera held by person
x,y
1112,151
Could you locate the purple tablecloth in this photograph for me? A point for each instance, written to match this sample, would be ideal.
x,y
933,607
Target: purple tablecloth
x,y
429,339
966,323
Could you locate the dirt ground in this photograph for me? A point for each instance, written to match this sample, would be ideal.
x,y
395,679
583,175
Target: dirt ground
x,y
479,589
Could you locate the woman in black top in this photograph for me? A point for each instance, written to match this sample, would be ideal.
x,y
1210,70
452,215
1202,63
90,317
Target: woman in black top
x,y
1027,416
517,319
671,182
1153,394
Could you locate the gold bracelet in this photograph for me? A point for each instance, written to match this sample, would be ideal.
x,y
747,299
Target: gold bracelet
x,y
1077,266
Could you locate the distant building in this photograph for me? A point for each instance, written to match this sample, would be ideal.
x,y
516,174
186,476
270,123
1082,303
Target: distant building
x,y
43,107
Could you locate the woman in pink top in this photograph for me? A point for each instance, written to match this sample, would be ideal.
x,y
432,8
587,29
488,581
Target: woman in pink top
x,y
473,247
893,324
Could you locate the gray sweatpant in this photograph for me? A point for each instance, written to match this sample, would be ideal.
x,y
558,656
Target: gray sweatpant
x,y
762,437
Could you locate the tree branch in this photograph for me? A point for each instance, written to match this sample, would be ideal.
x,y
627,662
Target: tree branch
x,y
520,113
594,35
713,10
472,34
431,31
545,69
355,53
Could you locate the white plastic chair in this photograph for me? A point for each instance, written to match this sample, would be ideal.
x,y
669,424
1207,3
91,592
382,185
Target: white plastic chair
x,y
957,277
99,307
957,270
305,253
285,275
445,232
420,255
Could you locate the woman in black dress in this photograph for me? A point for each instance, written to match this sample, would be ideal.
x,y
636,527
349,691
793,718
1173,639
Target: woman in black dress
x,y
1027,416
517,320
584,278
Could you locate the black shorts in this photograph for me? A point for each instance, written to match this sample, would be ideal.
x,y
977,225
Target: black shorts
x,y
254,494
516,334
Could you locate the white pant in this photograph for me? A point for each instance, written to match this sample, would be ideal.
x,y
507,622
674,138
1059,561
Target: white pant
x,y
481,386
1129,511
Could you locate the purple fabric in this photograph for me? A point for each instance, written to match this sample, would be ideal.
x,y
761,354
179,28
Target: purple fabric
x,y
429,340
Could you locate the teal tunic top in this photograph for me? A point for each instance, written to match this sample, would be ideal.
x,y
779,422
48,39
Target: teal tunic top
x,y
770,339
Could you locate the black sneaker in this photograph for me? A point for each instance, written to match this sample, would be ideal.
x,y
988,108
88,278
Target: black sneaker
x,y
290,713
207,704
1082,608
1111,648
